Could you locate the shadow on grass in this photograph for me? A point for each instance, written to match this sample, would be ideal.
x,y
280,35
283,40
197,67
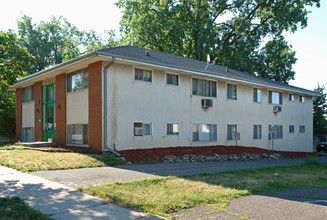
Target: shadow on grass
x,y
107,159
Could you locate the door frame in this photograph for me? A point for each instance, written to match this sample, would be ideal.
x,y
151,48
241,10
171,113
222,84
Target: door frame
x,y
45,117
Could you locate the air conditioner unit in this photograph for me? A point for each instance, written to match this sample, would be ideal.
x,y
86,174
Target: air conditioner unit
x,y
277,108
138,131
205,103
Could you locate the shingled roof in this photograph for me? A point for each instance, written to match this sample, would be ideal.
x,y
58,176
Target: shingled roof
x,y
169,60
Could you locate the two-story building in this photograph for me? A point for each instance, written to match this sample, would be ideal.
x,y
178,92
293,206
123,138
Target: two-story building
x,y
130,98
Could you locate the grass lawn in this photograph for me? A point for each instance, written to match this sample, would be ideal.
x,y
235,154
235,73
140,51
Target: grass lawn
x,y
15,208
165,195
32,160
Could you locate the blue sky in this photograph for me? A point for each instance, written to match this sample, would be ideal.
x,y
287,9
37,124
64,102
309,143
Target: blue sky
x,y
310,43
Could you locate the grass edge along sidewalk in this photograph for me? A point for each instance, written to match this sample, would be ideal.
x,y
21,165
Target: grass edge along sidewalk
x,y
169,194
16,208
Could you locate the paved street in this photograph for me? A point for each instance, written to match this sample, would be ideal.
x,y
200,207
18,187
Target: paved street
x,y
91,176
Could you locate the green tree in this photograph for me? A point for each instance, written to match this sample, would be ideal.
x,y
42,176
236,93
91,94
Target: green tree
x,y
320,112
14,58
241,34
49,42
57,40
92,41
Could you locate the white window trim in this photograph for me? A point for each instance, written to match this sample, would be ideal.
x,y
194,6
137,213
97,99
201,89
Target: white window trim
x,y
88,134
300,98
300,130
236,91
282,94
32,100
293,129
213,80
170,85
198,123
277,125
66,86
227,130
143,122
142,81
289,97
258,139
253,87
172,122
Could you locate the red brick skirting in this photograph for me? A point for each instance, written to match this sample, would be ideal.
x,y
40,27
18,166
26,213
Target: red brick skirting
x,y
141,155
19,113
61,109
95,106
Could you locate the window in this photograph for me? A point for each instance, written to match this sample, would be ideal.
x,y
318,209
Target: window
x,y
172,129
275,98
142,129
77,134
302,128
203,87
231,129
256,95
77,80
231,91
291,129
257,132
28,134
143,75
172,79
301,98
28,94
204,132
291,97
275,131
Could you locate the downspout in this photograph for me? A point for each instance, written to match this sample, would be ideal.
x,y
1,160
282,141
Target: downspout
x,y
105,107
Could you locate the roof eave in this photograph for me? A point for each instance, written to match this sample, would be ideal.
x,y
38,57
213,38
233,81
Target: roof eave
x,y
51,69
281,86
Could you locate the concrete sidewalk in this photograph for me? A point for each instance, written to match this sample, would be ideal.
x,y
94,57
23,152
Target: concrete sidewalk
x,y
60,201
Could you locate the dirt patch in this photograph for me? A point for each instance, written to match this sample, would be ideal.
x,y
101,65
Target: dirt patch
x,y
59,148
157,154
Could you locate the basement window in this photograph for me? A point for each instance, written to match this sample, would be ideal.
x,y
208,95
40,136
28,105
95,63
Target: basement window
x,y
275,131
142,129
172,129
28,134
204,132
257,134
231,130
77,134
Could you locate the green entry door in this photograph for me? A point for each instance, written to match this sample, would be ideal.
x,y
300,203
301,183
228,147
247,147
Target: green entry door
x,y
49,112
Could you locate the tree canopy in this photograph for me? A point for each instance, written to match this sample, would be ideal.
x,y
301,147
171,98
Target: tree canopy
x,y
14,58
241,34
55,41
320,111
